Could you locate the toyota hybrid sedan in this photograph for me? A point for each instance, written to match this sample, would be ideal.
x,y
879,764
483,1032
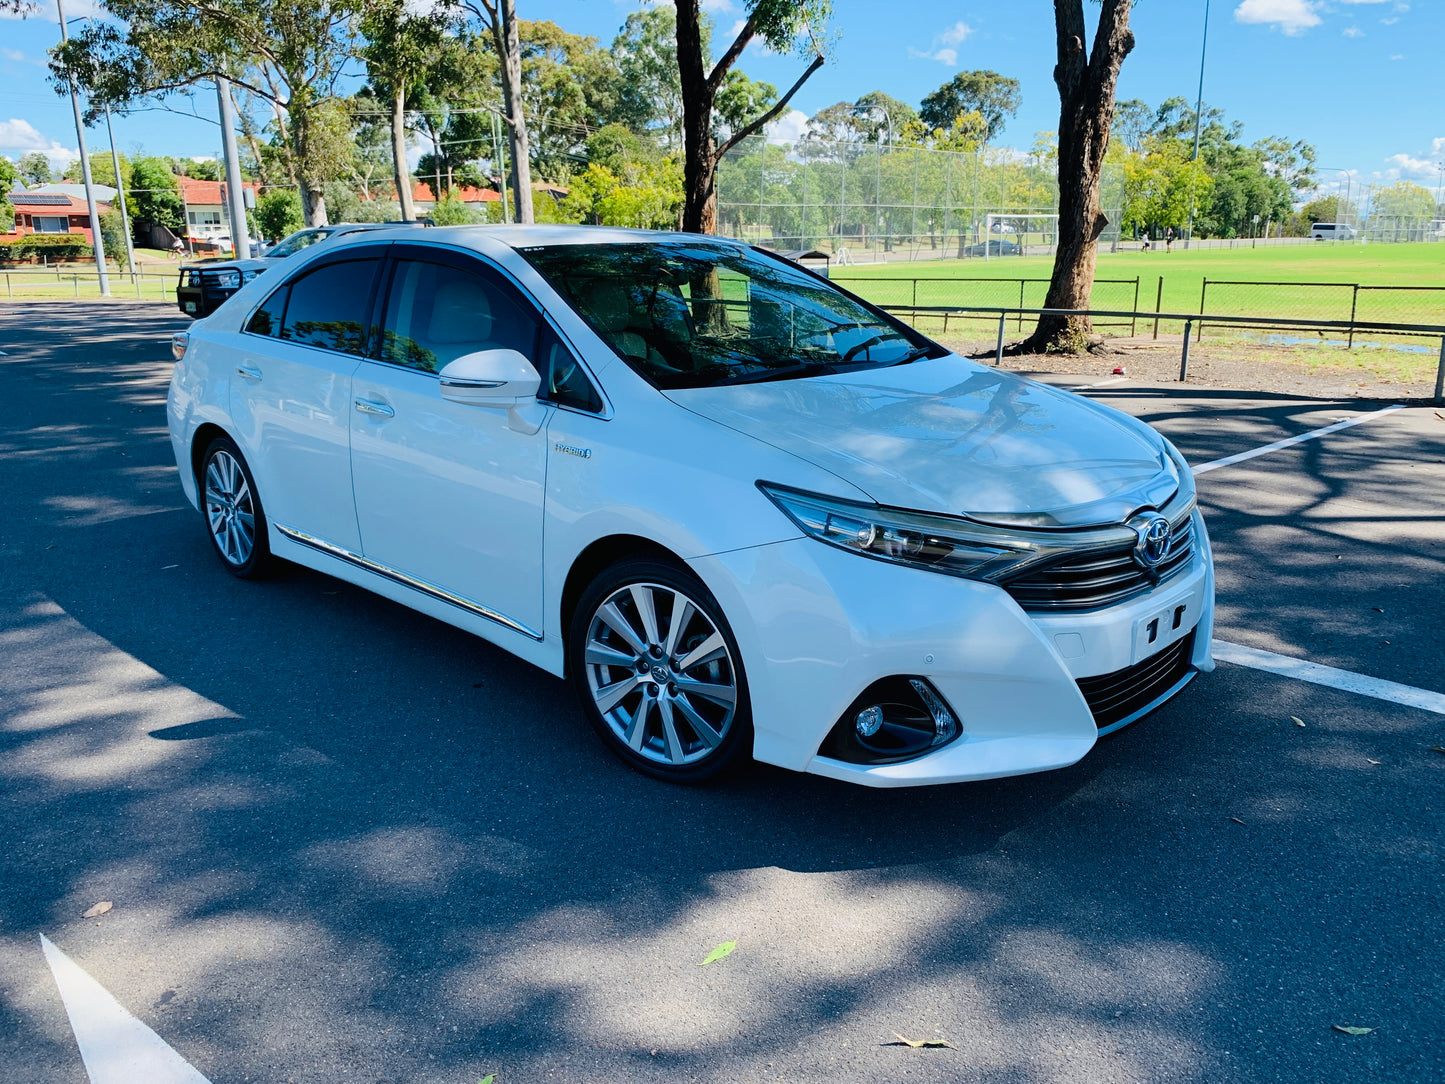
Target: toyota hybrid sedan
x,y
743,512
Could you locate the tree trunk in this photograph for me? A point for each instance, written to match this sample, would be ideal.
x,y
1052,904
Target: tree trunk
x,y
699,154
398,154
509,49
1086,85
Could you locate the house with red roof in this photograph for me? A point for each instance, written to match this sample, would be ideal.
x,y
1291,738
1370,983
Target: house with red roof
x,y
51,212
207,215
423,199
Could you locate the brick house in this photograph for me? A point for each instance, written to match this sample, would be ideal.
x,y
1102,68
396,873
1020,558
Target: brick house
x,y
51,212
206,213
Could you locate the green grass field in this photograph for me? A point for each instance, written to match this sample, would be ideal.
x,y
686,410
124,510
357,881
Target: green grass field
x,y
1182,274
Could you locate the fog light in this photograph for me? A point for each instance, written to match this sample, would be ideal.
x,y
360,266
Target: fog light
x,y
869,720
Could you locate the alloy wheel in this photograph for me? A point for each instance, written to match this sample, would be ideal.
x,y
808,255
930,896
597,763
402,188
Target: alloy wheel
x,y
230,509
660,674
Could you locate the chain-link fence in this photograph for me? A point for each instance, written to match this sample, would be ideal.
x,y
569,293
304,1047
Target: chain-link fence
x,y
1346,301
870,203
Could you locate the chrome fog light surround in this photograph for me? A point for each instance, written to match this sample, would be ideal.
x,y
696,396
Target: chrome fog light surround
x,y
895,719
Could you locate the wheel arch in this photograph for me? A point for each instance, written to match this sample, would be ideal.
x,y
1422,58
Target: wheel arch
x,y
205,433
597,556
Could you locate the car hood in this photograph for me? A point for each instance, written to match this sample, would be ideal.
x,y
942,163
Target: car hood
x,y
952,436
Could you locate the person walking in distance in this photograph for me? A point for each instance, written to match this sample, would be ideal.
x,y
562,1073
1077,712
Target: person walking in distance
x,y
1169,239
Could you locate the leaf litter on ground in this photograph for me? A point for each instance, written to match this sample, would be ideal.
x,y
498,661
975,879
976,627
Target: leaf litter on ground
x,y
921,1044
725,949
99,909
1350,1030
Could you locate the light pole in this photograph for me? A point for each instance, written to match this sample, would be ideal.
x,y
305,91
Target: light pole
x,y
97,242
1198,116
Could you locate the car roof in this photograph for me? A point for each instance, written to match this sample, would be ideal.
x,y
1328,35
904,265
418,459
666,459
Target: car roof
x,y
521,237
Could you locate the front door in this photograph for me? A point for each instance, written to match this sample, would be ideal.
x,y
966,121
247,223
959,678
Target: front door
x,y
291,396
449,494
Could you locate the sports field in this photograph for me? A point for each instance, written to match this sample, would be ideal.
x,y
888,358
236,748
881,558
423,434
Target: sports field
x,y
996,282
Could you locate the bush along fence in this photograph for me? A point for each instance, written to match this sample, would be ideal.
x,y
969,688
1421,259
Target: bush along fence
x,y
45,246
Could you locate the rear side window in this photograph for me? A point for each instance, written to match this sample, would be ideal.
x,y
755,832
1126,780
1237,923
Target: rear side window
x,y
267,319
328,307
436,313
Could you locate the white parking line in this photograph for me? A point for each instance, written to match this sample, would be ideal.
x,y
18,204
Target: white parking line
x,y
1346,680
1289,442
115,1047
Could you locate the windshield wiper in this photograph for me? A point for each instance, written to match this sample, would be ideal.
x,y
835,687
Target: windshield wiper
x,y
916,354
787,372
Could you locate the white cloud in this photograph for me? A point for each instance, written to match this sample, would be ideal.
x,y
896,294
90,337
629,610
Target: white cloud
x,y
12,54
1408,167
1353,32
1397,56
943,56
788,128
1290,16
21,135
719,7
956,34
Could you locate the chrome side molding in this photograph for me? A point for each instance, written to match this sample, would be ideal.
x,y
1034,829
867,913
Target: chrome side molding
x,y
431,589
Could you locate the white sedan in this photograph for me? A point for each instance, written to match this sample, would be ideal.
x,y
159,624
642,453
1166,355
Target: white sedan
x,y
744,512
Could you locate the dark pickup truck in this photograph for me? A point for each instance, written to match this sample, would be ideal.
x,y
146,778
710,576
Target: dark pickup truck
x,y
203,287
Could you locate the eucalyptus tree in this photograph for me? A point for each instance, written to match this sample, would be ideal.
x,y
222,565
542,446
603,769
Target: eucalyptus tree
x,y
500,17
400,42
1086,78
782,25
289,53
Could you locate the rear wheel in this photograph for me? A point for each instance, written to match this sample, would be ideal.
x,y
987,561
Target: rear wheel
x,y
234,518
658,672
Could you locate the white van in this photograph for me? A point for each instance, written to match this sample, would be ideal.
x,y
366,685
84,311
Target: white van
x,y
1331,231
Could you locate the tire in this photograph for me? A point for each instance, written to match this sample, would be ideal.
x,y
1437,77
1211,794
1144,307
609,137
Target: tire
x,y
231,507
687,684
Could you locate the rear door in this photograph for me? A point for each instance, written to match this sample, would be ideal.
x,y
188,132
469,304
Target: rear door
x,y
291,395
450,495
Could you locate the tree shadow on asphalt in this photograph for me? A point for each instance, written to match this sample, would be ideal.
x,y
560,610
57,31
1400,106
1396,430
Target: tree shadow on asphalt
x,y
366,827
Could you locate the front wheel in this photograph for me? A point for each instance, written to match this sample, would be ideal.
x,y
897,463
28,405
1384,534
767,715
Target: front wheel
x,y
657,670
234,519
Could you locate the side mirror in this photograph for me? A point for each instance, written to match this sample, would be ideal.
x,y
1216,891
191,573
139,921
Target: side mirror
x,y
501,378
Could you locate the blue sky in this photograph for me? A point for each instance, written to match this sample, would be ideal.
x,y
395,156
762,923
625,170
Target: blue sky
x,y
1358,78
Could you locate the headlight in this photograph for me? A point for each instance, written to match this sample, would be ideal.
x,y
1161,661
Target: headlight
x,y
228,280
948,544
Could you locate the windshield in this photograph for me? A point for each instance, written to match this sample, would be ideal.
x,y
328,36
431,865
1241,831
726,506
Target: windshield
x,y
297,241
691,314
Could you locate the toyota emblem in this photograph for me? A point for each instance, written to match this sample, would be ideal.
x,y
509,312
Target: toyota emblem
x,y
1155,537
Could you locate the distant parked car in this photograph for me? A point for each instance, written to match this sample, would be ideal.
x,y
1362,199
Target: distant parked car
x,y
994,248
1331,231
205,286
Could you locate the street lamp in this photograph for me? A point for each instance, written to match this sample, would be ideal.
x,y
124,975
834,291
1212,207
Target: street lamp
x,y
1198,116
97,242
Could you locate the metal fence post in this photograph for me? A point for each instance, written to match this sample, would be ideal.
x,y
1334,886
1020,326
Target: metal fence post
x,y
1354,302
1440,375
1134,320
1021,303
75,281
915,293
1184,357
1203,289
998,355
1158,305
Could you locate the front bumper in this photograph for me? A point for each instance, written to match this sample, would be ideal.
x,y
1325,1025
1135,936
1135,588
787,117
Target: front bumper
x,y
816,626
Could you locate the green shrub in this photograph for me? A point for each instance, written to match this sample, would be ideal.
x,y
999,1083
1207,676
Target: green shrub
x,y
278,213
52,246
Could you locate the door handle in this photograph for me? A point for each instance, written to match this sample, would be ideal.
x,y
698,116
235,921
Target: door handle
x,y
248,372
379,410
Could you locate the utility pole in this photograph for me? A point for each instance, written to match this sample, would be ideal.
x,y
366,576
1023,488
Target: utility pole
x,y
240,233
97,242
1198,116
120,197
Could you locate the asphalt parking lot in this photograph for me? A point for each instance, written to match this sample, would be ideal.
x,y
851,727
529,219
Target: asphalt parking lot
x,y
344,842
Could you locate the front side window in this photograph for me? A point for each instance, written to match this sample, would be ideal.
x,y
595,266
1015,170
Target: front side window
x,y
328,307
688,314
436,313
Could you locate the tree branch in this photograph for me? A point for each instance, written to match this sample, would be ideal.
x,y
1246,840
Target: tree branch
x,y
729,58
748,129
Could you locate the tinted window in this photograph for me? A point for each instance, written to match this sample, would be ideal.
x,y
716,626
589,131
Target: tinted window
x,y
565,381
436,313
267,319
328,307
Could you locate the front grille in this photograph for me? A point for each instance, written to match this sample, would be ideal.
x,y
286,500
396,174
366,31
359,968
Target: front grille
x,y
1099,578
1116,696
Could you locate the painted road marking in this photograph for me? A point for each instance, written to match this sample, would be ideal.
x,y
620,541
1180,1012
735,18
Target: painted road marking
x,y
115,1046
1290,442
1350,682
